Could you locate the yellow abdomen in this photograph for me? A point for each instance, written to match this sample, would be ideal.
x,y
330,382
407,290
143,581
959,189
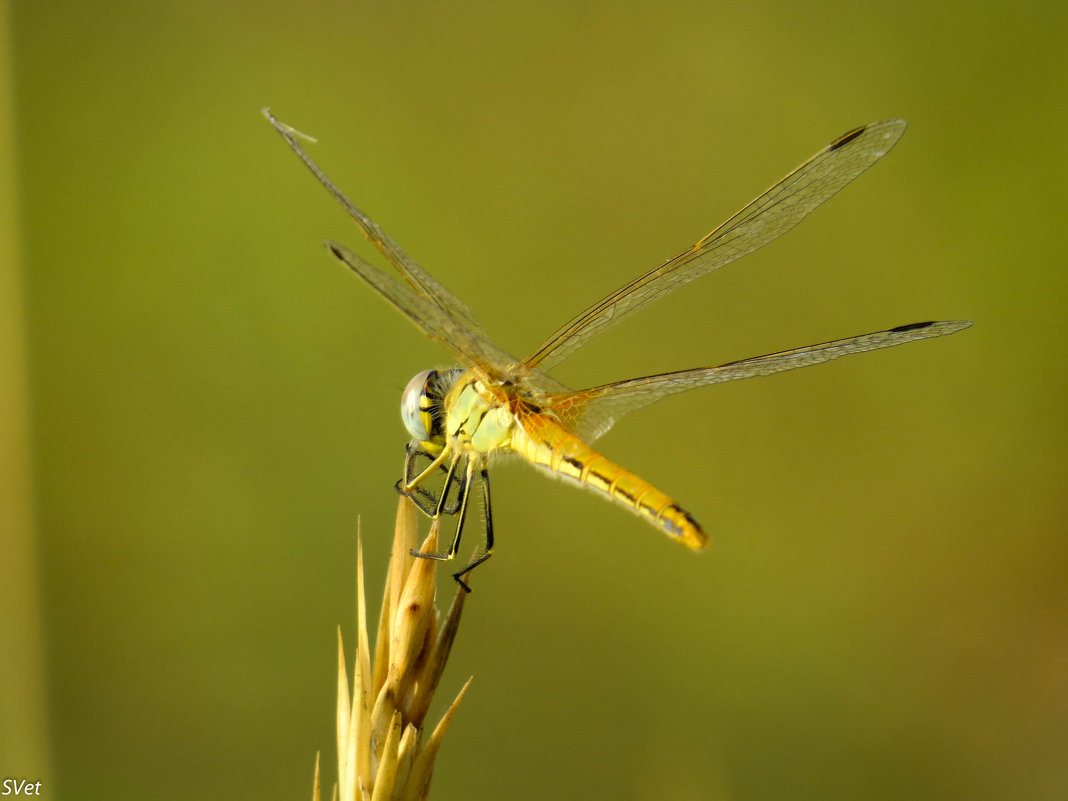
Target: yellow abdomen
x,y
545,442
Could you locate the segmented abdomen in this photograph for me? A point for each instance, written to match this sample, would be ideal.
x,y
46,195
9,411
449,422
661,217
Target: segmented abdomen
x,y
545,442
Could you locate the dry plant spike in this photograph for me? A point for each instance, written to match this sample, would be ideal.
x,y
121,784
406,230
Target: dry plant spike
x,y
405,534
387,767
353,743
381,718
405,753
361,685
346,752
423,767
434,665
383,751
405,538
414,615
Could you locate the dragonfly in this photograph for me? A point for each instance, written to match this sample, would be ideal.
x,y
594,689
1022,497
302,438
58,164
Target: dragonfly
x,y
494,404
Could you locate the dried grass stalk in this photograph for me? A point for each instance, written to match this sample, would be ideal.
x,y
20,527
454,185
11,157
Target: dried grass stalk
x,y
383,751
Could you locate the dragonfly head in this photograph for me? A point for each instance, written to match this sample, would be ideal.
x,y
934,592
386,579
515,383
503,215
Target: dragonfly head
x,y
423,406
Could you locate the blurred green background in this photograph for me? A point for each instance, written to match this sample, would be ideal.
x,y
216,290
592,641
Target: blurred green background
x,y
211,401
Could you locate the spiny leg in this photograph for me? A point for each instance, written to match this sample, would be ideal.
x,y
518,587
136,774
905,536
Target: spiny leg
x,y
465,492
427,472
462,501
448,481
409,486
423,500
487,551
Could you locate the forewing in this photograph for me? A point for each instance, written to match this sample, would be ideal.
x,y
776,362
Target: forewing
x,y
417,278
470,346
768,217
591,412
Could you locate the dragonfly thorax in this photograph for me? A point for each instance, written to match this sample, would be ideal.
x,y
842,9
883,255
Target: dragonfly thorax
x,y
475,419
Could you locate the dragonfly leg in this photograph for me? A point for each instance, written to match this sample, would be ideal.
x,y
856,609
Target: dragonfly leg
x,y
410,486
487,550
423,500
445,492
465,488
464,495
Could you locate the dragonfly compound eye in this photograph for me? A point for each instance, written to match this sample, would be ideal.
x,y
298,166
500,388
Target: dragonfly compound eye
x,y
416,402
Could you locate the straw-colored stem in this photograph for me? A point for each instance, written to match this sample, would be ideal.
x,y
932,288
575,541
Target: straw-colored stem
x,y
383,752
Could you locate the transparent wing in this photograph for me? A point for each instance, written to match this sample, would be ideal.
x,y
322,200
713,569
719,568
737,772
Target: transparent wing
x,y
470,346
591,412
417,278
768,217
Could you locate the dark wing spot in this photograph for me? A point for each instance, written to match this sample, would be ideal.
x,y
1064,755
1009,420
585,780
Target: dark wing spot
x,y
911,327
845,139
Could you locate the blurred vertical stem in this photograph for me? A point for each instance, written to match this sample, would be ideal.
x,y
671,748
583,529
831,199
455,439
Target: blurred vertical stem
x,y
23,727
384,750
